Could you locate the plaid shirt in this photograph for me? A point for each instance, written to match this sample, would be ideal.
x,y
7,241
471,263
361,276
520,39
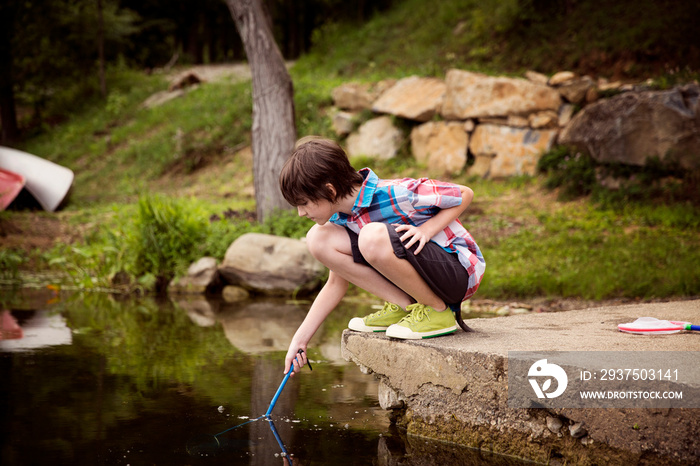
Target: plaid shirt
x,y
413,202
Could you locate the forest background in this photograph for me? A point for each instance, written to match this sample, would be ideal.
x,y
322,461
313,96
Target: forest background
x,y
157,188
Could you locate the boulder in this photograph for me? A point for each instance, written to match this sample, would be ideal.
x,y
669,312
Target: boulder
x,y
202,277
546,119
414,98
632,127
536,77
513,151
358,96
377,137
343,122
474,95
441,145
518,121
562,77
481,166
271,265
566,112
576,90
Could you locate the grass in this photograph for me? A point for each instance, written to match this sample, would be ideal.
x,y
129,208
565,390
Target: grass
x,y
625,39
582,251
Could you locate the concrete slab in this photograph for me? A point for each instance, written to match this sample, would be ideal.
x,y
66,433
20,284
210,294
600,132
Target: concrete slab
x,y
455,388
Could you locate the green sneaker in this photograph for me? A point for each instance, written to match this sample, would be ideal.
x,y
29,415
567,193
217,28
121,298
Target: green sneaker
x,y
378,321
423,322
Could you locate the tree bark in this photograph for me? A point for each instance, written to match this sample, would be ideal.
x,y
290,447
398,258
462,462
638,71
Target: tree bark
x,y
8,114
274,129
101,48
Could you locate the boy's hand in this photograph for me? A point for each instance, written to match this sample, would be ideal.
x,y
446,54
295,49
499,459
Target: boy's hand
x,y
413,234
296,356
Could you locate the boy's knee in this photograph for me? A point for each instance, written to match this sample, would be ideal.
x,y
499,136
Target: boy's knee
x,y
374,243
316,240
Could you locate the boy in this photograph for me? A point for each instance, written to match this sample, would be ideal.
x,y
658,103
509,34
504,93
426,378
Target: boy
x,y
397,239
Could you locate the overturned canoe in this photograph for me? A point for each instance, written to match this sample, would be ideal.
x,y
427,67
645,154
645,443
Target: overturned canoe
x,y
10,185
48,182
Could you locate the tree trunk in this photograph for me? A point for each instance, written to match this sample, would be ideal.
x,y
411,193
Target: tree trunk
x,y
101,48
274,129
8,114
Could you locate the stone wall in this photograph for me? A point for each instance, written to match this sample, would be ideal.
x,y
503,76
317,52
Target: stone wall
x,y
503,123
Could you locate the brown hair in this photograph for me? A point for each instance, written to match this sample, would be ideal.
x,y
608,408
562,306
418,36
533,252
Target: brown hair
x,y
314,164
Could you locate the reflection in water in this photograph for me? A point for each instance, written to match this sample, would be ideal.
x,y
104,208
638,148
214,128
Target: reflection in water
x,y
133,380
261,327
24,331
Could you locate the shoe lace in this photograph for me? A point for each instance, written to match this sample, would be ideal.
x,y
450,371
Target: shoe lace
x,y
417,312
388,307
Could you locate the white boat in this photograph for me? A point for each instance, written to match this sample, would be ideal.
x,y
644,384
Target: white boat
x,y
48,182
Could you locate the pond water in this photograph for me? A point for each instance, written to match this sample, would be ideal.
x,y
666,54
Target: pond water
x,y
98,379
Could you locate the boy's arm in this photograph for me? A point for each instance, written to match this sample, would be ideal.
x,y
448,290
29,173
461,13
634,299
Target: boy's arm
x,y
327,299
437,223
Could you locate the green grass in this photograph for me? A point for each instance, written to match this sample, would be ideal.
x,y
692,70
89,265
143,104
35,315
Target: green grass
x,y
141,144
628,38
595,254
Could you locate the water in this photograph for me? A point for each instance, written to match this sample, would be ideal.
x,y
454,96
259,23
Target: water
x,y
98,379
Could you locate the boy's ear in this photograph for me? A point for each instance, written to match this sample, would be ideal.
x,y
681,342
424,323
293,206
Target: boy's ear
x,y
331,189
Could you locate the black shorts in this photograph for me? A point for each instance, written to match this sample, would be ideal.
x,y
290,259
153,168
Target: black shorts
x,y
440,269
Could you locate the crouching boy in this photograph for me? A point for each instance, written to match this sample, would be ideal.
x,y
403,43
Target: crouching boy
x,y
399,239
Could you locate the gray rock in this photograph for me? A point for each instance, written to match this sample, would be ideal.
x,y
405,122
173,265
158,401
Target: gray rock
x,y
474,95
271,265
441,145
202,277
634,126
414,98
577,430
377,137
388,397
514,151
554,424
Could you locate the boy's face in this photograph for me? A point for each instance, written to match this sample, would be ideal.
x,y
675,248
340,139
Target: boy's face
x,y
319,211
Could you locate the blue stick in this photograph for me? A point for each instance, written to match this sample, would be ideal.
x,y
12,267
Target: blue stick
x,y
284,381
279,390
272,403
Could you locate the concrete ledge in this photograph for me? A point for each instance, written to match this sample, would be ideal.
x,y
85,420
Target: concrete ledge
x,y
455,388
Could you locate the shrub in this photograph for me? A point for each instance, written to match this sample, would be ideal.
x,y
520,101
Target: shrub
x,y
573,173
167,236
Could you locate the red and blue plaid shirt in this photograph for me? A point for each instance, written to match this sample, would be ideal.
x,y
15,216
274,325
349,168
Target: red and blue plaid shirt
x,y
413,202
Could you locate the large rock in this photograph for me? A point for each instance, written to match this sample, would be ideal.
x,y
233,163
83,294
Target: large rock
x,y
634,126
343,122
359,96
473,95
377,137
414,98
442,146
271,264
202,277
512,151
575,90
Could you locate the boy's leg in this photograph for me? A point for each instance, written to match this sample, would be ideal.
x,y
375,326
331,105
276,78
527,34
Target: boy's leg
x,y
433,278
376,247
330,244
